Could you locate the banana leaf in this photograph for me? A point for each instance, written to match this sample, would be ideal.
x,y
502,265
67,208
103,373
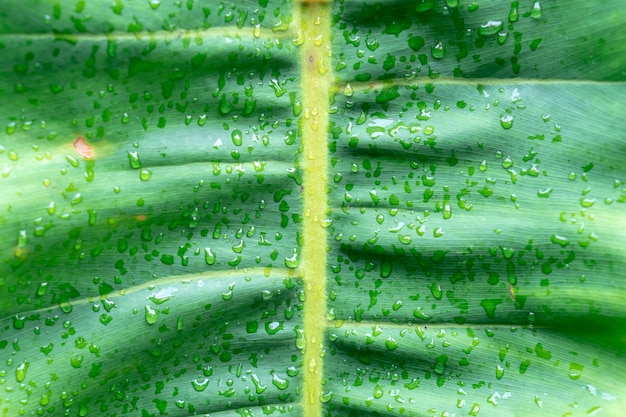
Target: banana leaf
x,y
312,208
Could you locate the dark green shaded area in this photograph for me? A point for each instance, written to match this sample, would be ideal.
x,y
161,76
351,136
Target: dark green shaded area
x,y
480,39
67,20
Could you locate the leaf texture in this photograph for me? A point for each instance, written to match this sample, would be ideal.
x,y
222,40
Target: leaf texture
x,y
344,208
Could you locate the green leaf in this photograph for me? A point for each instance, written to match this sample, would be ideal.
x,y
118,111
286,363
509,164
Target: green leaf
x,y
312,208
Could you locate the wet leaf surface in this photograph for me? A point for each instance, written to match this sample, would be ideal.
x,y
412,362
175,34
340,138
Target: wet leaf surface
x,y
321,208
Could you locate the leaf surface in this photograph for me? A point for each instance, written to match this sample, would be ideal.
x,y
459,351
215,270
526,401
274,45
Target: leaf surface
x,y
320,208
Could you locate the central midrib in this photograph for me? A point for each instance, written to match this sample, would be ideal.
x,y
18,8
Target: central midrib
x,y
316,81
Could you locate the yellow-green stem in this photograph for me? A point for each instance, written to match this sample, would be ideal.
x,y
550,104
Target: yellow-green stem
x,y
316,81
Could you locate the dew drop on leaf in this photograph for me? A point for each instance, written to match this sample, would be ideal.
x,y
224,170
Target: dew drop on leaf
x,y
292,261
280,383
145,174
200,384
77,361
490,28
536,11
506,121
438,50
151,315
514,12
391,343
209,256
20,371
134,160
499,371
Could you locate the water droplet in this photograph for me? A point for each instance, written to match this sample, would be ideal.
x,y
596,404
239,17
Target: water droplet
x,y
506,121
391,343
292,261
499,371
326,397
544,193
490,305
273,327
51,208
280,383
209,256
405,239
587,202
133,158
66,307
575,370
42,289
236,136
560,240
22,240
162,295
200,384
490,28
77,361
93,215
385,269
435,289
507,252
279,90
536,12
76,199
18,322
502,37
300,339
73,161
514,12
447,209
152,315
259,388
440,364
20,371
145,174
419,313
299,39
438,50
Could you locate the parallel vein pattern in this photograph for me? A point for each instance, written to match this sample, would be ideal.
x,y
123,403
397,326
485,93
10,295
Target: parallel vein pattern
x,y
476,245
322,208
